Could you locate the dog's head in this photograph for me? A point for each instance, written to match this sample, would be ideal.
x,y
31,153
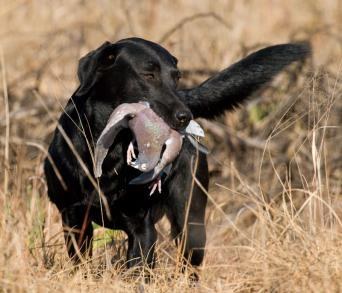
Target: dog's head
x,y
134,70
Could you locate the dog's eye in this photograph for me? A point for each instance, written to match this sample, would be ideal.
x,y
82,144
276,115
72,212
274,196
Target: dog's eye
x,y
108,60
148,76
177,76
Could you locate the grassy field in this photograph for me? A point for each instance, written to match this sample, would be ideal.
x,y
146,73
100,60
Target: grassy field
x,y
274,219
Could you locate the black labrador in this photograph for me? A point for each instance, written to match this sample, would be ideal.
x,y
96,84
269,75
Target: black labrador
x,y
130,71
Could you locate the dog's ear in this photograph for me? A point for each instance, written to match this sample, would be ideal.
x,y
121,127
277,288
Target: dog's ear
x,y
90,67
231,87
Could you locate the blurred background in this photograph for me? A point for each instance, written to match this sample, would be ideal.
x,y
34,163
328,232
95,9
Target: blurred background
x,y
275,204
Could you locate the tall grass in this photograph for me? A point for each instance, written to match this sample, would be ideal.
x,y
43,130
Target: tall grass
x,y
274,218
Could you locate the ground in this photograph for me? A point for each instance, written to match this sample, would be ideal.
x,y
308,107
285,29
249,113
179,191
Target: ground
x,y
274,218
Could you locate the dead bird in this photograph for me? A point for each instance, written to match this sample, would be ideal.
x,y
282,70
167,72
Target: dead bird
x,y
151,134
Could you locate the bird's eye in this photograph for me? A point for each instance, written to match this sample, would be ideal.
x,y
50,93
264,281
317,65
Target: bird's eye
x,y
148,76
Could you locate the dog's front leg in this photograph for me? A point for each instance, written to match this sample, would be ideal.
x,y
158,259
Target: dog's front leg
x,y
78,232
186,211
187,224
142,238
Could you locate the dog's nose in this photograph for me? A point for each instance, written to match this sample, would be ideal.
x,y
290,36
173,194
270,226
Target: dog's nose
x,y
183,117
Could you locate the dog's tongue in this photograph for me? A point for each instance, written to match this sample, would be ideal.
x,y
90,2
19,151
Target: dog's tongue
x,y
150,132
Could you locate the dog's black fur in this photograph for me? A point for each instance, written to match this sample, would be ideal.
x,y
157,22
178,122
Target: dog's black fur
x,y
129,71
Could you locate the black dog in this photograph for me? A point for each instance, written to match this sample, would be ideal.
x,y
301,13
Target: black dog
x,y
130,71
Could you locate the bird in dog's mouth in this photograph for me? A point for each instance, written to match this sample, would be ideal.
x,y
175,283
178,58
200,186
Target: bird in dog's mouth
x,y
158,144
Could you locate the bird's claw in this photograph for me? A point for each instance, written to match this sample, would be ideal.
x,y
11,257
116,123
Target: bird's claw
x,y
156,184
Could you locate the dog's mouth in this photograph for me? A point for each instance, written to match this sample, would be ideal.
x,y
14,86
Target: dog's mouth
x,y
158,145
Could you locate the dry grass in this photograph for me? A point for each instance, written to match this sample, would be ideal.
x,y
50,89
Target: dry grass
x,y
274,219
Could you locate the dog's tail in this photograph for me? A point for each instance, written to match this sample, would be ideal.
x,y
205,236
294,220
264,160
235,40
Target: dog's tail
x,y
232,86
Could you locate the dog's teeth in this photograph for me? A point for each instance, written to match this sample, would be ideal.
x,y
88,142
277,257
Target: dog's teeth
x,y
143,166
132,150
130,153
